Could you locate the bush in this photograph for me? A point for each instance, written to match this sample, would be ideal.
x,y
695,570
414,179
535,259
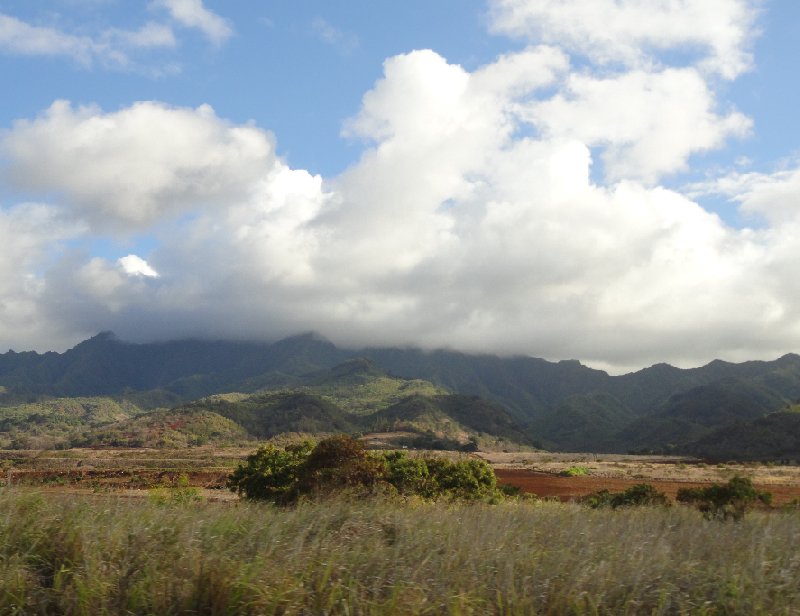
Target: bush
x,y
469,479
724,502
575,471
270,473
439,477
339,462
641,494
407,475
342,463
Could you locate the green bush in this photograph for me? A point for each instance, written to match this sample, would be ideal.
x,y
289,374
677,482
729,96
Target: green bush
x,y
336,463
467,479
575,471
342,463
641,494
407,475
270,473
439,477
727,501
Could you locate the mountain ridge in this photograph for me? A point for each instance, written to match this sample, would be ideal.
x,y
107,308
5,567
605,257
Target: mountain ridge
x,y
562,404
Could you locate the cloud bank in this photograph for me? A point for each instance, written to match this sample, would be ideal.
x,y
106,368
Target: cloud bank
x,y
472,220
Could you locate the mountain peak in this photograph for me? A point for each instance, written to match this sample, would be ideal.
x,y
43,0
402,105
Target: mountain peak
x,y
102,338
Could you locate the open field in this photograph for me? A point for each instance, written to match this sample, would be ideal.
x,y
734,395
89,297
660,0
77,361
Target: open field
x,y
107,555
135,471
154,532
540,473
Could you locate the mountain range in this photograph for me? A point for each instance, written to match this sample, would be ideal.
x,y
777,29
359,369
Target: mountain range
x,y
710,411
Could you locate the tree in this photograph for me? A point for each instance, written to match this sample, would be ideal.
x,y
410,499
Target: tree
x,y
339,462
407,475
724,502
271,473
342,463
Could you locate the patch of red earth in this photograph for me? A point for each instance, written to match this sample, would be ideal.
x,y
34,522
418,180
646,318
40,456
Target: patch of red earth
x,y
571,488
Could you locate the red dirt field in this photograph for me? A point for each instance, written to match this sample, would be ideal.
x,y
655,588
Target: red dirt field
x,y
571,488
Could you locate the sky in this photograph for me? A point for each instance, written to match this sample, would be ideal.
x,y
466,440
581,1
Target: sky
x,y
614,181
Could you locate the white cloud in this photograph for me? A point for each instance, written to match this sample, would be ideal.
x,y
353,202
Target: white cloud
x,y
114,48
772,196
20,38
632,32
471,220
136,166
110,48
192,14
648,123
134,265
151,35
30,234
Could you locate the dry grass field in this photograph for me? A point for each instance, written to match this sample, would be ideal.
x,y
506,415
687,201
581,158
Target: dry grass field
x,y
64,554
140,531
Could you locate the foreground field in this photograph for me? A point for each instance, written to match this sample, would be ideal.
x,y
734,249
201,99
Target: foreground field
x,y
107,555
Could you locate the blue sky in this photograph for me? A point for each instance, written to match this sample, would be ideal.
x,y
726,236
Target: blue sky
x,y
298,69
610,181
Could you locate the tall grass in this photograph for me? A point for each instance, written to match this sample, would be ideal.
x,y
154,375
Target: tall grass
x,y
79,555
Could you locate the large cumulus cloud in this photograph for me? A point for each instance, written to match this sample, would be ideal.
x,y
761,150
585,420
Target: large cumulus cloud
x,y
135,167
471,220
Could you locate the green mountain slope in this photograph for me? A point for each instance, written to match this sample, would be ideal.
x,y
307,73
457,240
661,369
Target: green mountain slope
x,y
773,437
269,414
175,428
359,387
565,404
583,423
60,422
352,397
688,416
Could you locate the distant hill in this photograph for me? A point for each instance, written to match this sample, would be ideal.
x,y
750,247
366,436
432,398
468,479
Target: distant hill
x,y
560,405
588,422
352,397
166,428
775,436
59,422
188,369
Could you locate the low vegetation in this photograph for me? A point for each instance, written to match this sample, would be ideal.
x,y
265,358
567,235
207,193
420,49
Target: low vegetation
x,y
641,494
341,463
725,502
575,471
101,555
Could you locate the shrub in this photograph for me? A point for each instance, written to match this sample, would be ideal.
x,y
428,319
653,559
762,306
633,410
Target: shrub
x,y
574,471
339,462
270,473
342,463
641,494
727,501
469,479
407,475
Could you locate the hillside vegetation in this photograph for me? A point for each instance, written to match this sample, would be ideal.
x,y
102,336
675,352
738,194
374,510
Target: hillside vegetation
x,y
354,397
306,384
